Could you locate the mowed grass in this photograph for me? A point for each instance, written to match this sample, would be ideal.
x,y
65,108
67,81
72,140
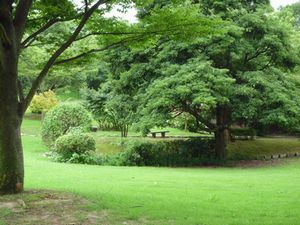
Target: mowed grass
x,y
208,196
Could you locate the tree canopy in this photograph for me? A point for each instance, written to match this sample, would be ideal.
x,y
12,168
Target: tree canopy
x,y
221,79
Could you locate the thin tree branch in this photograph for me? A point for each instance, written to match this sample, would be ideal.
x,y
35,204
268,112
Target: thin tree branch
x,y
257,54
20,19
119,33
58,52
106,33
29,43
31,38
267,65
116,44
198,117
86,5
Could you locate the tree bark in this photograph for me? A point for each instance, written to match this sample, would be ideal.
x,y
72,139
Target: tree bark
x,y
222,132
11,153
221,145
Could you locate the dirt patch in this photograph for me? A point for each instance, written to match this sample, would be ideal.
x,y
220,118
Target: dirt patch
x,y
45,207
257,163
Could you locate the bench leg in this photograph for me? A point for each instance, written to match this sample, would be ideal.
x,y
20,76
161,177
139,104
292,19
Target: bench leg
x,y
163,134
154,135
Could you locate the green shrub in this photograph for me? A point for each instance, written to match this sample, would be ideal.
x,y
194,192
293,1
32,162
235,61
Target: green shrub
x,y
90,158
74,143
190,152
43,102
61,118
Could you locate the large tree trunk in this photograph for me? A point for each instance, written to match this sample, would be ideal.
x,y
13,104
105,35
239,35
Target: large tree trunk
x,y
222,132
11,154
221,144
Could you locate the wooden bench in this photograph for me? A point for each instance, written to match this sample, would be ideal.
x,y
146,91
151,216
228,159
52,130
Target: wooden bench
x,y
163,133
94,129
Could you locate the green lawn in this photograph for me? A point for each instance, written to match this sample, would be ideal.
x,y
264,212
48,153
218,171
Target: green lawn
x,y
210,196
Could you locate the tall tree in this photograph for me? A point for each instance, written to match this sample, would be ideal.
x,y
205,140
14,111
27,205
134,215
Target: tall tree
x,y
219,79
14,16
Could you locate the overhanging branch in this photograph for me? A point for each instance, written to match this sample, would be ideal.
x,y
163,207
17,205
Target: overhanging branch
x,y
113,45
57,53
153,32
31,38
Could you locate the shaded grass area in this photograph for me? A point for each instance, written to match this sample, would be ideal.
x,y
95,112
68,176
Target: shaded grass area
x,y
173,132
48,207
263,147
35,207
209,196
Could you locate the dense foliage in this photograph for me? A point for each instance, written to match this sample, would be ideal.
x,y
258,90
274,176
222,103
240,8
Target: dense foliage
x,y
174,153
43,102
192,152
61,118
74,142
219,80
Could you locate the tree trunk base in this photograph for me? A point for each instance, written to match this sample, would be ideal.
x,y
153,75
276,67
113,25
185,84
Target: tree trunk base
x,y
11,184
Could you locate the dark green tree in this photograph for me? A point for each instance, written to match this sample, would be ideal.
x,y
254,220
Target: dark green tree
x,y
221,79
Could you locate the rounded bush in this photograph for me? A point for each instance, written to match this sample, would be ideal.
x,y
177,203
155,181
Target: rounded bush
x,y
61,118
43,102
74,143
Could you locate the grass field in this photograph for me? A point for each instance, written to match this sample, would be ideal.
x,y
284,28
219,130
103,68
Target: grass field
x,y
208,196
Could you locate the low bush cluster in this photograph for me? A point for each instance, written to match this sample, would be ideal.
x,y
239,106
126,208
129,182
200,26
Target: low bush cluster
x,y
90,158
75,142
64,130
189,152
43,102
61,118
